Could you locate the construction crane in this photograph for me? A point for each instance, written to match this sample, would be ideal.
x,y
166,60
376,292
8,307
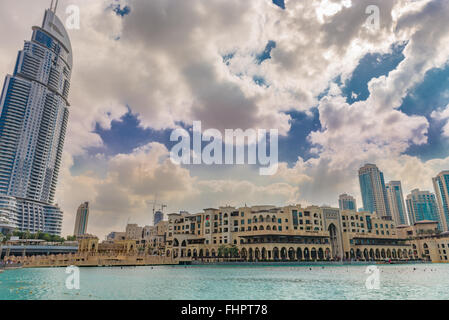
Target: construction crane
x,y
155,203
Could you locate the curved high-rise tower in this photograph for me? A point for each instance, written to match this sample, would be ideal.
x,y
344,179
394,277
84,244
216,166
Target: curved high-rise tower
x,y
374,193
34,113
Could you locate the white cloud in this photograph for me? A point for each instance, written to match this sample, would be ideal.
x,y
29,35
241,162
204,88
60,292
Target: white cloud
x,y
168,67
442,115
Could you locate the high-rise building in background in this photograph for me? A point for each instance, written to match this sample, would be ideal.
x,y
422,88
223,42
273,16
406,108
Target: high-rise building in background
x,y
82,218
441,185
374,193
347,202
34,113
158,217
396,202
422,205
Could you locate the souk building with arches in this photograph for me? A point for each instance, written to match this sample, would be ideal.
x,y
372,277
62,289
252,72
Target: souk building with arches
x,y
290,233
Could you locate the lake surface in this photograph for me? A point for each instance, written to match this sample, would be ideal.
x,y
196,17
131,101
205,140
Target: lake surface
x,y
411,281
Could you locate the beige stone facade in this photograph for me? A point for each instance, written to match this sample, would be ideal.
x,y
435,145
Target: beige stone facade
x,y
427,242
268,233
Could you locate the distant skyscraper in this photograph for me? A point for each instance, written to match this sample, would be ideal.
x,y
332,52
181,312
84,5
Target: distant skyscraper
x,y
441,185
34,114
158,217
422,205
82,218
396,202
347,202
374,193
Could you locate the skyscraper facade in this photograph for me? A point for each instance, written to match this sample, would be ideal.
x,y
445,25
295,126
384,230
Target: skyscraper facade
x,y
158,217
82,218
422,205
441,186
374,193
347,202
34,113
396,202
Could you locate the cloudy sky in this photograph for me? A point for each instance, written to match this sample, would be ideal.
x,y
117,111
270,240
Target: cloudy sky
x,y
340,91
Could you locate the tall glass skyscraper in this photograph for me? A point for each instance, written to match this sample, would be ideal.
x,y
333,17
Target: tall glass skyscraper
x,y
441,186
347,202
82,218
396,202
34,113
374,193
422,205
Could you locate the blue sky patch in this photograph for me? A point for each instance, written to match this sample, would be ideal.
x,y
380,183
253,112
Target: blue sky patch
x,y
280,3
296,143
371,66
266,54
430,95
126,135
117,8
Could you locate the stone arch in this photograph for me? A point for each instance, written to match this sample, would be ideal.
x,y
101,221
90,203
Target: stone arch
x,y
306,254
313,254
291,253
244,253
352,254
333,236
275,253
257,254
299,254
320,254
264,253
366,254
328,254
284,253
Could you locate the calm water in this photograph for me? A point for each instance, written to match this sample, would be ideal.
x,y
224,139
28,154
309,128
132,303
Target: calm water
x,y
420,281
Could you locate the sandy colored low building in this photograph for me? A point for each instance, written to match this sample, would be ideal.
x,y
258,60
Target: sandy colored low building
x,y
427,241
284,233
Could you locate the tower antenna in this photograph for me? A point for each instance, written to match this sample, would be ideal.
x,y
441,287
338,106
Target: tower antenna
x,y
56,6
51,5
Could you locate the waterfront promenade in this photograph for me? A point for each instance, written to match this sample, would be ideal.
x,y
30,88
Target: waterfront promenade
x,y
90,260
